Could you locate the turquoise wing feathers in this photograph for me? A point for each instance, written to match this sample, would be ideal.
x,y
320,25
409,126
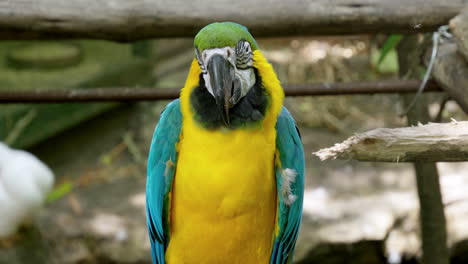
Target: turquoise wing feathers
x,y
160,173
290,186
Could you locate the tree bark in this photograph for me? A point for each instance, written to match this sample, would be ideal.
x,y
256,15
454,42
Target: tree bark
x,y
424,143
459,27
123,20
451,65
451,72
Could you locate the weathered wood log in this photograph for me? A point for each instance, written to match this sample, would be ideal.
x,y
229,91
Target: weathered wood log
x,y
451,72
426,143
459,28
124,20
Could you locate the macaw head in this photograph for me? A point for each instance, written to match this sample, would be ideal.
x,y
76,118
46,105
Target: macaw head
x,y
224,52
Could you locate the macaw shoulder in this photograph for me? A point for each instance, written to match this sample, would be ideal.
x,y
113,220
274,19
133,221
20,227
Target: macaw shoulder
x,y
289,155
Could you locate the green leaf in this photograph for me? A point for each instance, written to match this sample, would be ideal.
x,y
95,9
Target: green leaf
x,y
391,42
59,191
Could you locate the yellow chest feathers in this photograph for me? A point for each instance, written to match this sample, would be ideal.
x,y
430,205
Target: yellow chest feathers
x,y
224,197
225,170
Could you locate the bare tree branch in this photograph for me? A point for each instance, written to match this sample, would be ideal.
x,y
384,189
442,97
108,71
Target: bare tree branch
x,y
123,20
459,27
451,72
427,143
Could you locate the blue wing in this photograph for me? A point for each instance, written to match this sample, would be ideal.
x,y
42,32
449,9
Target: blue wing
x,y
290,192
160,173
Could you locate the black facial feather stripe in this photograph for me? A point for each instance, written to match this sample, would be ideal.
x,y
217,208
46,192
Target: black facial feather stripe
x,y
245,57
244,60
243,54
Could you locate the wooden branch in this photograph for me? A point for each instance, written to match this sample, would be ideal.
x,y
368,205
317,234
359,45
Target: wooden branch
x,y
451,72
426,143
124,20
459,27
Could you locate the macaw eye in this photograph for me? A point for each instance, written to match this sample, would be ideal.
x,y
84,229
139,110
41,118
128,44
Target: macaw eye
x,y
200,60
243,54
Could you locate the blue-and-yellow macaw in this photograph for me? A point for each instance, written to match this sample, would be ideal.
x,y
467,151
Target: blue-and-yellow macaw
x,y
226,165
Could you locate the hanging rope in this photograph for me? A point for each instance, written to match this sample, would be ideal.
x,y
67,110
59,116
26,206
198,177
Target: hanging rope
x,y
437,38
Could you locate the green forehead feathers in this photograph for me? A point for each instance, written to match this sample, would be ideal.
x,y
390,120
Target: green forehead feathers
x,y
218,35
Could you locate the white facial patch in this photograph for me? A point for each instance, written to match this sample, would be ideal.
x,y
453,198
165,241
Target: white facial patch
x,y
288,177
246,76
226,52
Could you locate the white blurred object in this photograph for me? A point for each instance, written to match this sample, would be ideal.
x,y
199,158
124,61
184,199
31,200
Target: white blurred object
x,y
24,184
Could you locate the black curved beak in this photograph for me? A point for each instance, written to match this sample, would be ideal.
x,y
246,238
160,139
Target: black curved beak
x,y
222,79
